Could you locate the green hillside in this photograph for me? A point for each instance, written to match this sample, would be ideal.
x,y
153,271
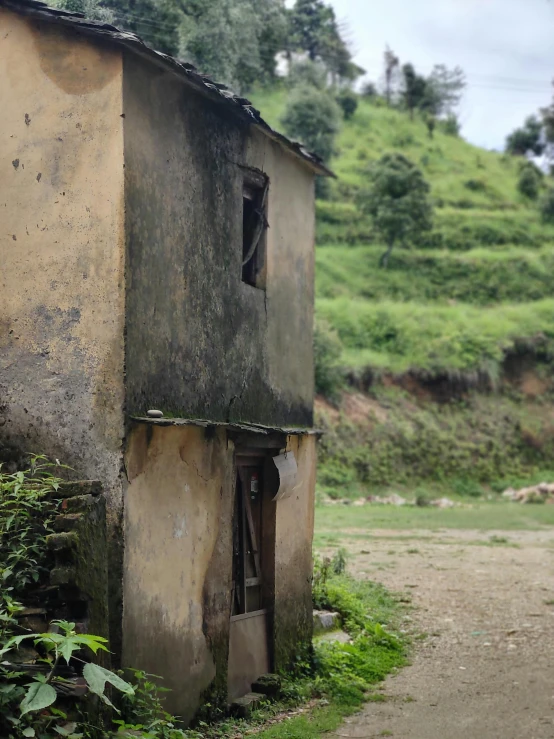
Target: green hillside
x,y
448,352
479,284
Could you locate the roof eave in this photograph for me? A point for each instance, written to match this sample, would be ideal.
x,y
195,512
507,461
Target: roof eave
x,y
187,72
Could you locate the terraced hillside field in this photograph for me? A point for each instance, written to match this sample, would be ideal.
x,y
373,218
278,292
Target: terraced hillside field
x,y
450,348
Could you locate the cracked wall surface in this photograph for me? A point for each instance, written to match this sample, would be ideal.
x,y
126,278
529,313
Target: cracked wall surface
x,y
200,342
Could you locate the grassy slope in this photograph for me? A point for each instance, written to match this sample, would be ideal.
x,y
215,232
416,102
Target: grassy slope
x,y
482,280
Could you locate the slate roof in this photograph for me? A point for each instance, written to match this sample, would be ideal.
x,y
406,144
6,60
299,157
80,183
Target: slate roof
x,y
201,82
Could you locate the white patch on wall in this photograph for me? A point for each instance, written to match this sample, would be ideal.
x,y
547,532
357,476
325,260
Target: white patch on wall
x,y
179,527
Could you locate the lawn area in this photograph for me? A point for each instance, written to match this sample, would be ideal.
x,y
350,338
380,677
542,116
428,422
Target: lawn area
x,y
343,521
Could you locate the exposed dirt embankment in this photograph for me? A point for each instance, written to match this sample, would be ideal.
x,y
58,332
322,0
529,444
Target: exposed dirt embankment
x,y
416,431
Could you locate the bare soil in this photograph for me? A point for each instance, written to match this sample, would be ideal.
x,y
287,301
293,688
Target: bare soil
x,y
483,665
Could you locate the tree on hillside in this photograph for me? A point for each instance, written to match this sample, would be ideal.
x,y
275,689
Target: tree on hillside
x,y
546,206
310,73
445,88
414,90
398,201
392,64
155,21
530,180
527,139
348,101
313,117
314,30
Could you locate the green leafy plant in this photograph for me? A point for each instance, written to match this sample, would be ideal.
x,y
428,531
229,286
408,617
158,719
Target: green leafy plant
x,y
348,101
142,710
40,692
27,508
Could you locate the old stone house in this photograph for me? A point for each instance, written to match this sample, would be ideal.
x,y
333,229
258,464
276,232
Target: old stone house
x,y
157,252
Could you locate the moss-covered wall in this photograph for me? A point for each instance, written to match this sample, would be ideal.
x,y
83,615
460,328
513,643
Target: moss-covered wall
x,y
200,342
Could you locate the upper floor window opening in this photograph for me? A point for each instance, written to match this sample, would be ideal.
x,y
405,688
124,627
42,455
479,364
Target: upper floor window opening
x,y
254,226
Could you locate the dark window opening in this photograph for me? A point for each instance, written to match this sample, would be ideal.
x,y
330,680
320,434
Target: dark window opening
x,y
254,226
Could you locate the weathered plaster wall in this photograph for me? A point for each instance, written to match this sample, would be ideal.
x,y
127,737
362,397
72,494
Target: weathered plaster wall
x,y
200,341
61,248
292,621
178,560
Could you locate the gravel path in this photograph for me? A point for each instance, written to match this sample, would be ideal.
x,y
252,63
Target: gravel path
x,y
486,667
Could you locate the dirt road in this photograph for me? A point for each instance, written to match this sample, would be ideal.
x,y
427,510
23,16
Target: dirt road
x,y
485,600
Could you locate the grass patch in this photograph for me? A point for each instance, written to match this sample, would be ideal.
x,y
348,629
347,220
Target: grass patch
x,y
402,337
480,276
484,516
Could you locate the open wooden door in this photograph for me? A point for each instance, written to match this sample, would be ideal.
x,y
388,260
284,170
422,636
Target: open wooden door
x,y
249,649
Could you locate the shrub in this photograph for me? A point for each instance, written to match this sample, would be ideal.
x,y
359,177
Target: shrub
x,y
546,206
327,353
476,185
348,101
313,117
451,125
530,180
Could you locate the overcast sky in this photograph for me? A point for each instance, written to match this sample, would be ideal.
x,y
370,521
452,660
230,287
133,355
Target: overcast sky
x,y
506,48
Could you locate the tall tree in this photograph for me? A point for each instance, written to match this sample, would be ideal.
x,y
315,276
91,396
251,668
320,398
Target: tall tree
x,y
414,92
445,88
155,21
92,9
315,31
397,199
233,40
392,64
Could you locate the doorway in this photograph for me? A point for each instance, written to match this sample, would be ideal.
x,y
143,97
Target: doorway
x,y
253,559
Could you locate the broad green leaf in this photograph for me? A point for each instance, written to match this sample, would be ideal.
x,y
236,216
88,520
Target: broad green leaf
x,y
38,696
66,729
92,642
28,732
97,677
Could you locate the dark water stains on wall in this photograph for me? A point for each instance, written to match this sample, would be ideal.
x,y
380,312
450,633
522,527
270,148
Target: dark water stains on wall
x,y
198,338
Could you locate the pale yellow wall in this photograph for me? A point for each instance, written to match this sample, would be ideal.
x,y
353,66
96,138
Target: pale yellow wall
x,y
61,247
293,557
178,558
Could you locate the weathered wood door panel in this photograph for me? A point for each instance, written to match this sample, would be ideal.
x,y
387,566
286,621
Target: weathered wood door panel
x,y
249,655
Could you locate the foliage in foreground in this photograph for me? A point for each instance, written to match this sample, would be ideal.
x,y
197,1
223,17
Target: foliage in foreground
x,y
29,693
345,672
